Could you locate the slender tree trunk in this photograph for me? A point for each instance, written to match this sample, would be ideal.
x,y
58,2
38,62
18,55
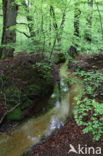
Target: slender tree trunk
x,y
50,28
90,4
54,43
100,18
52,13
73,48
9,19
30,20
77,13
88,35
61,29
50,33
56,27
43,33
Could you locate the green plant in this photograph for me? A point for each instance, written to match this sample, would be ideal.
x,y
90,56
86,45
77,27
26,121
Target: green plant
x,y
44,69
12,96
90,114
89,111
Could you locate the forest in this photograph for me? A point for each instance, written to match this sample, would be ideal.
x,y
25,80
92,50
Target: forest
x,y
51,77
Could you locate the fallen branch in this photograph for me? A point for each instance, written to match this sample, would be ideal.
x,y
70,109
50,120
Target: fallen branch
x,y
9,111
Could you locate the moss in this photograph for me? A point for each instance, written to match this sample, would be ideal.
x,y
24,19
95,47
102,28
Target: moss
x,y
15,115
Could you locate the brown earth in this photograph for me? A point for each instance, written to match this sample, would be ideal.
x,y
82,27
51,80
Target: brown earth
x,y
59,143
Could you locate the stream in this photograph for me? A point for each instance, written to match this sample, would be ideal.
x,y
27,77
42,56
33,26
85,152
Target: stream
x,y
16,141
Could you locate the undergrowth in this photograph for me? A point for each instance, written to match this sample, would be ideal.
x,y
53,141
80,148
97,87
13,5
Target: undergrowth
x,y
89,107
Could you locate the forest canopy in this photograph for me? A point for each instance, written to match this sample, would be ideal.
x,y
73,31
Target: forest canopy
x,y
53,25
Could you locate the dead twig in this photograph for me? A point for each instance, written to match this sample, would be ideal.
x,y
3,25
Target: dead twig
x,y
9,111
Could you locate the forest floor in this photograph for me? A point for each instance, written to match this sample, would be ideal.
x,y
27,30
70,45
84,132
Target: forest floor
x,y
58,144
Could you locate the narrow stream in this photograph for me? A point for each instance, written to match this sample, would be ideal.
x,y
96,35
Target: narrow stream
x,y
19,139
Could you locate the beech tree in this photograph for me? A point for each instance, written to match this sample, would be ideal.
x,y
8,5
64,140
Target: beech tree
x,y
9,33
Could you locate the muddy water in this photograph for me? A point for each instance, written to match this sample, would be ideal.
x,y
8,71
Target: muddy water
x,y
16,141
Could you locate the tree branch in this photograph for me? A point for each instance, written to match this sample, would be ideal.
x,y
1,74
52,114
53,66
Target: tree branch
x,y
23,33
63,20
23,24
52,13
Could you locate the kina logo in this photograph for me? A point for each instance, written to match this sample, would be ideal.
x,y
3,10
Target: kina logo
x,y
85,150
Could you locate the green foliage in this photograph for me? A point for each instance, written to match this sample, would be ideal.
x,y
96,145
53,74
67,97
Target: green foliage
x,y
92,81
90,114
12,95
36,27
44,69
88,111
32,90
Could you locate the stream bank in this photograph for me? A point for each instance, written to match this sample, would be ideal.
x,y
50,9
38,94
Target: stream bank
x,y
25,80
19,139
58,144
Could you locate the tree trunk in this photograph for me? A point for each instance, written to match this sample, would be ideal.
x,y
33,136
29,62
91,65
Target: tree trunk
x,y
56,27
52,13
30,20
8,36
100,18
61,29
88,35
73,48
77,13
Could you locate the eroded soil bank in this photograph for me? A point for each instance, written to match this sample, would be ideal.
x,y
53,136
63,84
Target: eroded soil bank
x,y
25,80
19,139
59,143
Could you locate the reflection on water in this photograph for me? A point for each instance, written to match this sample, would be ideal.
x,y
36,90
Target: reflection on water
x,y
15,142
